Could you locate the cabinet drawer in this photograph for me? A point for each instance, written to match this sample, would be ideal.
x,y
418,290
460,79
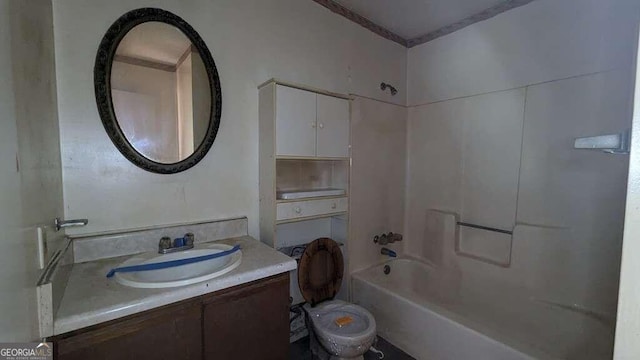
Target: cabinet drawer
x,y
301,209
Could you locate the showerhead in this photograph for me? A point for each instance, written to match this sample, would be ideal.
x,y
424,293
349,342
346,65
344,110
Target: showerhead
x,y
384,86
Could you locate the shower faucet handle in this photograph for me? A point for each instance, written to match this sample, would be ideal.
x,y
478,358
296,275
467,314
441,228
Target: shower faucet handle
x,y
381,239
388,238
393,237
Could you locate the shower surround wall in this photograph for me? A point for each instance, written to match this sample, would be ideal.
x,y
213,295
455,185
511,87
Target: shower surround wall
x,y
494,109
378,156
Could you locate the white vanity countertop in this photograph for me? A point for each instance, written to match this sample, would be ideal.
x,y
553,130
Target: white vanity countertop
x,y
90,298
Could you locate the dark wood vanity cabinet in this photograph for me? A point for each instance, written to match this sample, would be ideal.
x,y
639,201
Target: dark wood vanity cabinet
x,y
249,321
171,332
252,323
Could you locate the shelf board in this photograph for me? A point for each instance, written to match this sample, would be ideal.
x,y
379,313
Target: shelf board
x,y
281,201
311,217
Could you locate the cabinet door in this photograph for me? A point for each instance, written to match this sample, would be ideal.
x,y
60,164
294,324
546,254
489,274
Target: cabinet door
x,y
251,323
295,122
172,332
333,127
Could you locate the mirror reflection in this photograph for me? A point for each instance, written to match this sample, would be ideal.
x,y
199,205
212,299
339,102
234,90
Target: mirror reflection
x,y
160,92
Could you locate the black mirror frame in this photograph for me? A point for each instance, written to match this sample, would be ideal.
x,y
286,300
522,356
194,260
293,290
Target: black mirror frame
x,y
102,84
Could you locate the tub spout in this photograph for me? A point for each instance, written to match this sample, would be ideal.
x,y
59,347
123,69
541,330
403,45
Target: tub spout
x,y
390,253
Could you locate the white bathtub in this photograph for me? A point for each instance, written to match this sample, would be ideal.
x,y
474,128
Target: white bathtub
x,y
432,318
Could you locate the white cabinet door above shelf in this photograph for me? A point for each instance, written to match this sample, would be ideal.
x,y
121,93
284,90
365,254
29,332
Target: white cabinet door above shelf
x,y
295,122
333,127
310,124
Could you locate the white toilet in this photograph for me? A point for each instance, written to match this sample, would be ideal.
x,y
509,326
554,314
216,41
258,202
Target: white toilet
x,y
337,329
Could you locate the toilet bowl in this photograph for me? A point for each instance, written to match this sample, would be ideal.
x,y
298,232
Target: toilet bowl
x,y
337,329
330,341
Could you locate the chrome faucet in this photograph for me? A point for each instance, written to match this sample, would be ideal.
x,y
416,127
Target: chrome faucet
x,y
166,246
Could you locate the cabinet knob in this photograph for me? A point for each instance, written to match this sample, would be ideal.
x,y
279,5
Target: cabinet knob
x,y
297,210
333,206
313,125
321,126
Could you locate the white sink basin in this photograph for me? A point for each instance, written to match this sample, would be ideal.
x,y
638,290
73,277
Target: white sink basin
x,y
183,274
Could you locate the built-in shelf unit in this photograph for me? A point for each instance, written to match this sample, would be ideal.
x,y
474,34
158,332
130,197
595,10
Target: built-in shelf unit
x,y
304,167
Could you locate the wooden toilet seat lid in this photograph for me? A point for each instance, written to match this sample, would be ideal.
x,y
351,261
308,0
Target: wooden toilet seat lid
x,y
320,271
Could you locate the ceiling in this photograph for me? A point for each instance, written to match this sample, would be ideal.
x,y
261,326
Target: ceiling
x,y
413,18
413,22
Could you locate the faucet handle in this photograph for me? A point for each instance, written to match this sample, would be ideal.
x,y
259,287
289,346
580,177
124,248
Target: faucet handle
x,y
165,243
393,237
189,238
381,240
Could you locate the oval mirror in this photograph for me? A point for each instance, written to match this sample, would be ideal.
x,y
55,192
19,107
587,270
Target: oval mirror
x,y
157,90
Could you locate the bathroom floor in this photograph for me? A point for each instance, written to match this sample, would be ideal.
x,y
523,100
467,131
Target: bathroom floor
x,y
300,351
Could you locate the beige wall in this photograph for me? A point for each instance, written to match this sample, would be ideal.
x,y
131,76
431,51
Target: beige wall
x,y
251,41
627,346
503,100
31,194
377,191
